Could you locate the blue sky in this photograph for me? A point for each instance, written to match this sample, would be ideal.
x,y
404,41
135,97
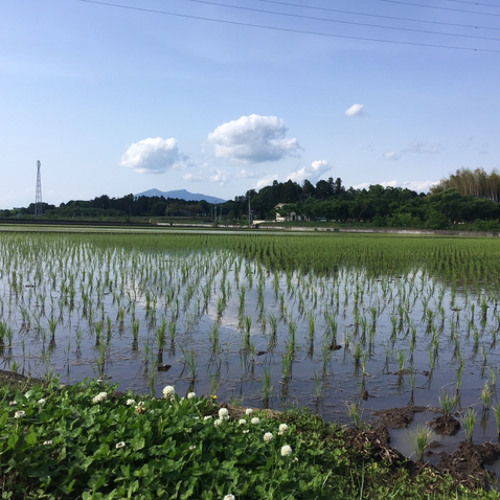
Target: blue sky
x,y
118,97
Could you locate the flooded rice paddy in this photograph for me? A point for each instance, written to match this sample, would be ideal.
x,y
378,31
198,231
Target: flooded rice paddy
x,y
251,329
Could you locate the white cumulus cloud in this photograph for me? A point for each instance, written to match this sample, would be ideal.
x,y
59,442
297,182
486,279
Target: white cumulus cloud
x,y
253,139
310,172
418,186
152,155
355,110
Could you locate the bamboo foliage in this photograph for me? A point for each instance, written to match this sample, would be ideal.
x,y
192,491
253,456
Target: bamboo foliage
x,y
477,183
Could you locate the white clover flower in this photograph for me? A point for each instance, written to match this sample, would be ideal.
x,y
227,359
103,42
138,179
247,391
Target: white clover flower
x,y
191,395
218,422
130,402
255,421
168,391
229,497
223,413
248,411
119,445
48,442
246,431
19,414
41,401
268,437
242,421
286,450
282,429
207,417
100,397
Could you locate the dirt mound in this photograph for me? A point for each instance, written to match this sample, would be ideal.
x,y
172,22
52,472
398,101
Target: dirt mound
x,y
468,463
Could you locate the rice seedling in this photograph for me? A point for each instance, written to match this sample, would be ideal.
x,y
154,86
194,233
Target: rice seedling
x,y
333,327
460,372
248,329
101,361
273,325
318,385
468,421
190,364
4,332
292,329
496,413
52,329
355,415
420,438
358,350
213,336
486,396
493,378
412,380
448,403
401,361
347,341
267,388
135,334
241,310
312,324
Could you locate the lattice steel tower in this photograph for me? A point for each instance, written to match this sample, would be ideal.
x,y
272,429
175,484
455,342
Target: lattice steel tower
x,y
38,197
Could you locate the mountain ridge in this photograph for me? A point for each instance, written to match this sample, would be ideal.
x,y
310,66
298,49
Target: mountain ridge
x,y
181,194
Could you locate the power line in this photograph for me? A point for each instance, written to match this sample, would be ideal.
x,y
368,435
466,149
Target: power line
x,y
338,21
441,8
379,16
289,30
479,4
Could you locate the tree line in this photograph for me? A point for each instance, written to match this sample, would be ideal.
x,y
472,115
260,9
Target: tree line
x,y
466,197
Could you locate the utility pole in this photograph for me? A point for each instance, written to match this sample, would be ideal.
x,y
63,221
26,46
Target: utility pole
x,y
38,196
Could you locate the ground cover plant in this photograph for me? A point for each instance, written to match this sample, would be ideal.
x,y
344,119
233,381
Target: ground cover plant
x,y
89,441
325,321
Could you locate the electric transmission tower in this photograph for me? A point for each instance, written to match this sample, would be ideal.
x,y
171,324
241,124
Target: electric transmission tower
x,y
38,197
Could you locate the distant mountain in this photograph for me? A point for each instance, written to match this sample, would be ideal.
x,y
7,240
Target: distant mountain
x,y
181,194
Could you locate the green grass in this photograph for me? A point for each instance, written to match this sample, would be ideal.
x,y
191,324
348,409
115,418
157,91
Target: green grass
x,y
87,441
